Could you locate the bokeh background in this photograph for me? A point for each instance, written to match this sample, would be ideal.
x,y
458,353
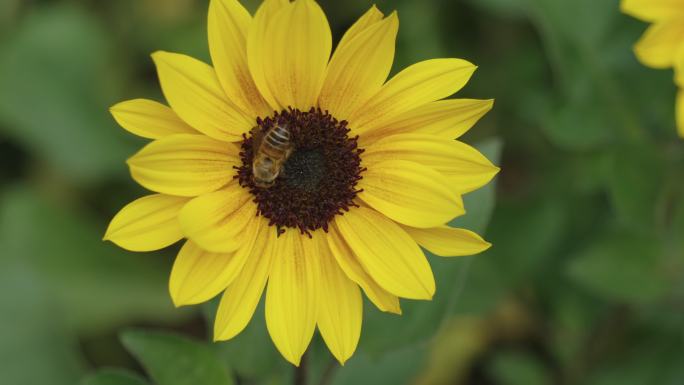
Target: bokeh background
x,y
584,284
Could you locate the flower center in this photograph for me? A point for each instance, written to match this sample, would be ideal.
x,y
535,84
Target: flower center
x,y
302,168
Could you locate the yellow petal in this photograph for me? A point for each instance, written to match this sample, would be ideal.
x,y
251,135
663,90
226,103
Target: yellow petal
x,y
194,92
149,119
651,10
242,296
359,68
418,84
184,165
680,113
372,16
410,193
215,221
449,119
659,45
288,53
198,275
448,241
387,253
465,168
340,306
228,27
351,266
256,48
679,67
148,223
291,297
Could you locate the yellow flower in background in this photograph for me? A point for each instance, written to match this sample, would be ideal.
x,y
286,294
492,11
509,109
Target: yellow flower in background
x,y
303,174
662,45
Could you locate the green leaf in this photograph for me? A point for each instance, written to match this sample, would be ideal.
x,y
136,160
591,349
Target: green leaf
x,y
584,105
173,360
635,182
523,236
393,368
55,93
566,130
622,266
113,377
510,8
251,353
676,239
651,359
36,347
573,317
95,285
518,368
563,16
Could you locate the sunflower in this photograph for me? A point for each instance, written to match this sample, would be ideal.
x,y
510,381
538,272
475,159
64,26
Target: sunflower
x,y
662,45
372,173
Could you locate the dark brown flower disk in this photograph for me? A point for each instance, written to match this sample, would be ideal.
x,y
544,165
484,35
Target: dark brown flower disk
x,y
318,180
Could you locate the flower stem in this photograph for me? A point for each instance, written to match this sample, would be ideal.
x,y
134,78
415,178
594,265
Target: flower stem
x,y
301,372
329,372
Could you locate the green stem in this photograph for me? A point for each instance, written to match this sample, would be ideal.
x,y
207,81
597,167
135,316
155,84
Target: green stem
x,y
301,372
328,373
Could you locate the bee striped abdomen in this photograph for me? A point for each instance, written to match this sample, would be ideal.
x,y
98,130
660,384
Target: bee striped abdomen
x,y
277,140
271,153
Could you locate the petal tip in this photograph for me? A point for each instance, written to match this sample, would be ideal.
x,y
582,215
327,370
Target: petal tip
x,y
176,298
393,309
108,233
157,54
296,361
115,107
219,335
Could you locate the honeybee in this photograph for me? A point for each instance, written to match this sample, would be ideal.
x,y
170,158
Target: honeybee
x,y
271,150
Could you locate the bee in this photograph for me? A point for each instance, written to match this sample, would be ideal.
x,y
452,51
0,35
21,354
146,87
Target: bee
x,y
271,150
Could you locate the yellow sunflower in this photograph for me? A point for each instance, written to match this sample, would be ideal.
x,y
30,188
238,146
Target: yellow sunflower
x,y
662,45
367,171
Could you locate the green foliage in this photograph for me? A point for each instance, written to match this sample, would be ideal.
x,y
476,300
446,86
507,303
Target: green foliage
x,y
399,366
251,354
636,184
583,284
518,368
36,348
650,361
56,82
173,360
95,285
113,377
622,267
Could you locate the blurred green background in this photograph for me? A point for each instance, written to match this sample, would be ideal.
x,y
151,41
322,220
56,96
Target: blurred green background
x,y
584,284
